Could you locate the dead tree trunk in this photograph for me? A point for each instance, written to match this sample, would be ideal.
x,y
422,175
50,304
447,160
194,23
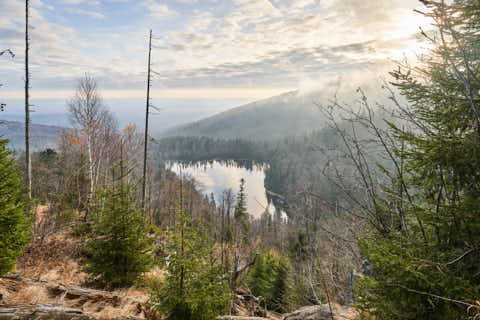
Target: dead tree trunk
x,y
237,270
28,159
147,112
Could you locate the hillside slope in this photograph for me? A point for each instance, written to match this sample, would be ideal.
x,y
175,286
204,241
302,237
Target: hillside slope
x,y
41,136
284,115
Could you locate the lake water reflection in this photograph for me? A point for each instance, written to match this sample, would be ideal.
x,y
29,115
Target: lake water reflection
x,y
217,176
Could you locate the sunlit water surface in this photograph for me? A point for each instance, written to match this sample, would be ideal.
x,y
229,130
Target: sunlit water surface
x,y
215,177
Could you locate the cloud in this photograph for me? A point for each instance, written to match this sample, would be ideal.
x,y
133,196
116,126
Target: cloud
x,y
264,44
260,41
158,9
89,13
188,1
78,2
55,57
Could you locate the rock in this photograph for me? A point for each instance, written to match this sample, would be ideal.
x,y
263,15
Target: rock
x,y
246,304
322,312
239,318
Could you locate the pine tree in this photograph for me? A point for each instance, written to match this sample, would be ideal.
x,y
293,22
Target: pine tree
x,y
119,249
14,229
425,266
195,286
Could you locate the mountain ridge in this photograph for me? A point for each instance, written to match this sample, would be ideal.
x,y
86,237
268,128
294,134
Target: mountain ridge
x,y
288,114
42,136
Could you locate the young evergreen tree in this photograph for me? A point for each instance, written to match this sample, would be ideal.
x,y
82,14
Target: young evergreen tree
x,y
240,214
259,281
14,228
119,249
268,279
425,265
280,291
195,287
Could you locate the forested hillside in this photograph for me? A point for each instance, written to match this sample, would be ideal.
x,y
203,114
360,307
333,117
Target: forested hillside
x,y
294,165
289,114
43,136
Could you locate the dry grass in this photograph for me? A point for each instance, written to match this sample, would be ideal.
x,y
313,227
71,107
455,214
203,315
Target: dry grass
x,y
103,305
41,212
156,273
110,312
30,295
54,259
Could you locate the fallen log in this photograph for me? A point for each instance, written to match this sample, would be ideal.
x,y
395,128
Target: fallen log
x,y
24,311
40,312
13,281
57,297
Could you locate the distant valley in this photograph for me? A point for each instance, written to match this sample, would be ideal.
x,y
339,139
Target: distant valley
x,y
42,136
285,115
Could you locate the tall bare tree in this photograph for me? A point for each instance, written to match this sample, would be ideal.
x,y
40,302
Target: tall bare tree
x,y
89,114
28,159
147,113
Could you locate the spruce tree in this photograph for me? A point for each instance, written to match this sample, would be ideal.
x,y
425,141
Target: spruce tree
x,y
195,286
280,287
119,249
425,266
258,281
268,279
14,228
240,214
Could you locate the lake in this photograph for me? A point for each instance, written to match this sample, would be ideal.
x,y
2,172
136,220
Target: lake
x,y
217,176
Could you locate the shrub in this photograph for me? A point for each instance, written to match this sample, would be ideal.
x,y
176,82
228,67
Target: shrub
x,y
119,247
14,228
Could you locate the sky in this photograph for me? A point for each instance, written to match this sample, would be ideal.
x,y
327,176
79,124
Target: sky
x,y
208,55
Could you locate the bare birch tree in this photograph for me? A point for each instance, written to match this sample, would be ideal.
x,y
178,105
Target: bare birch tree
x,y
89,114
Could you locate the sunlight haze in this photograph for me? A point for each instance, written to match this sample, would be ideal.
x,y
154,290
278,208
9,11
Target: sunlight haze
x,y
218,53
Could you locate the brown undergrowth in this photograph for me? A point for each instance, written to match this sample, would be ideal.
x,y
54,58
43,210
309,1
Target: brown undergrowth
x,y
50,272
56,258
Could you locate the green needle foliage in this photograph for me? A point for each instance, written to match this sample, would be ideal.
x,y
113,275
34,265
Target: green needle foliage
x,y
426,264
14,227
195,286
119,249
240,213
269,279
